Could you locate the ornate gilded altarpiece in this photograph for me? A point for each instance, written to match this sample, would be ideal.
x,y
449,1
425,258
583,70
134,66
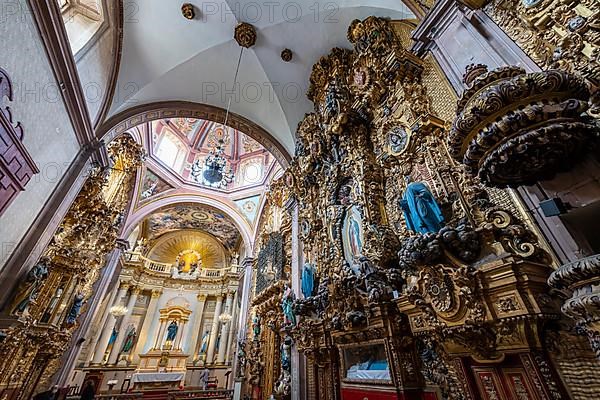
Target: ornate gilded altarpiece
x,y
400,309
264,359
38,326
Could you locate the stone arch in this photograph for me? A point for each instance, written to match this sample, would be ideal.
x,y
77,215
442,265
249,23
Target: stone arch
x,y
144,211
137,115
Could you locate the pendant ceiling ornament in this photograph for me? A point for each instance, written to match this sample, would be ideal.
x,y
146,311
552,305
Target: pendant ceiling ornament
x,y
215,172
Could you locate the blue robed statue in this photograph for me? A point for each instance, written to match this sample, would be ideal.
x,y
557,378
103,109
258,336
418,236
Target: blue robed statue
x,y
204,343
308,280
172,331
421,211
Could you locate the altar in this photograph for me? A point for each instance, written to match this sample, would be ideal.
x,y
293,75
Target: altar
x,y
158,380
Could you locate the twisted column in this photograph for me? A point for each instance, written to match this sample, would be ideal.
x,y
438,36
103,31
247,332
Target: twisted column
x,y
214,330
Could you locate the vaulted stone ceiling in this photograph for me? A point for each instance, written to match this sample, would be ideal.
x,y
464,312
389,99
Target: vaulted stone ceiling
x,y
167,57
194,217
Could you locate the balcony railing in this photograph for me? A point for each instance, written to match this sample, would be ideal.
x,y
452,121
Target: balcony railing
x,y
165,268
201,394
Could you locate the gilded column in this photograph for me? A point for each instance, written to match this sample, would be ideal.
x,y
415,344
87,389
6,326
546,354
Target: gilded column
x,y
225,330
148,320
214,330
108,327
114,353
196,334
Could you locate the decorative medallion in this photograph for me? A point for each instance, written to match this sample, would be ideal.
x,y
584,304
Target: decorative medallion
x,y
576,23
245,34
398,139
361,78
187,10
286,55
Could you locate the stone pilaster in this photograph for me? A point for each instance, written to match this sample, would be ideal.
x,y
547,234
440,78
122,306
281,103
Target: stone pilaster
x,y
108,327
214,330
196,334
114,353
148,319
225,331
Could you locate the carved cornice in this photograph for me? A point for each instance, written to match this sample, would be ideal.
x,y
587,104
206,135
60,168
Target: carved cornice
x,y
134,116
514,128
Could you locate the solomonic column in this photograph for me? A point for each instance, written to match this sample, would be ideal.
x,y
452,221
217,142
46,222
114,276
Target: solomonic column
x,y
196,334
214,330
225,330
111,320
148,319
114,353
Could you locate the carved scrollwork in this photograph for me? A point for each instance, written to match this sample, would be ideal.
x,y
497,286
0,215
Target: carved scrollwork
x,y
514,128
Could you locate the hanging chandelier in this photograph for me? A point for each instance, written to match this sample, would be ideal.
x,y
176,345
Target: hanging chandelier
x,y
215,172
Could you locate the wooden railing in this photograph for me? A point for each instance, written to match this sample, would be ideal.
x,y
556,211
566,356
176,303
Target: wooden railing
x,y
119,396
219,394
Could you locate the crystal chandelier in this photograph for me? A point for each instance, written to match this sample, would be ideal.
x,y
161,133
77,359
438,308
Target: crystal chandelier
x,y
118,311
215,172
225,318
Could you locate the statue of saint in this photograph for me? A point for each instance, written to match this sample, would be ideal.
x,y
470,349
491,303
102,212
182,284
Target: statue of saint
x,y
113,336
287,305
172,331
52,305
421,211
308,280
286,346
256,326
75,308
204,343
129,339
29,289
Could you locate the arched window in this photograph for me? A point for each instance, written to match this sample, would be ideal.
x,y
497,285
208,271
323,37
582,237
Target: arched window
x,y
250,171
83,19
171,151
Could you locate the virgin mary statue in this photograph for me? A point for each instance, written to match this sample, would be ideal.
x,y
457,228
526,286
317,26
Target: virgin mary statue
x,y
421,211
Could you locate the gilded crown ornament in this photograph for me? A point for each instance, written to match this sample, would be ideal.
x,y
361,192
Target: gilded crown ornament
x,y
286,55
245,34
188,11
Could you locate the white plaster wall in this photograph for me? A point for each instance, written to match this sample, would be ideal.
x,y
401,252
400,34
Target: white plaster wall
x,y
167,295
96,61
38,105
